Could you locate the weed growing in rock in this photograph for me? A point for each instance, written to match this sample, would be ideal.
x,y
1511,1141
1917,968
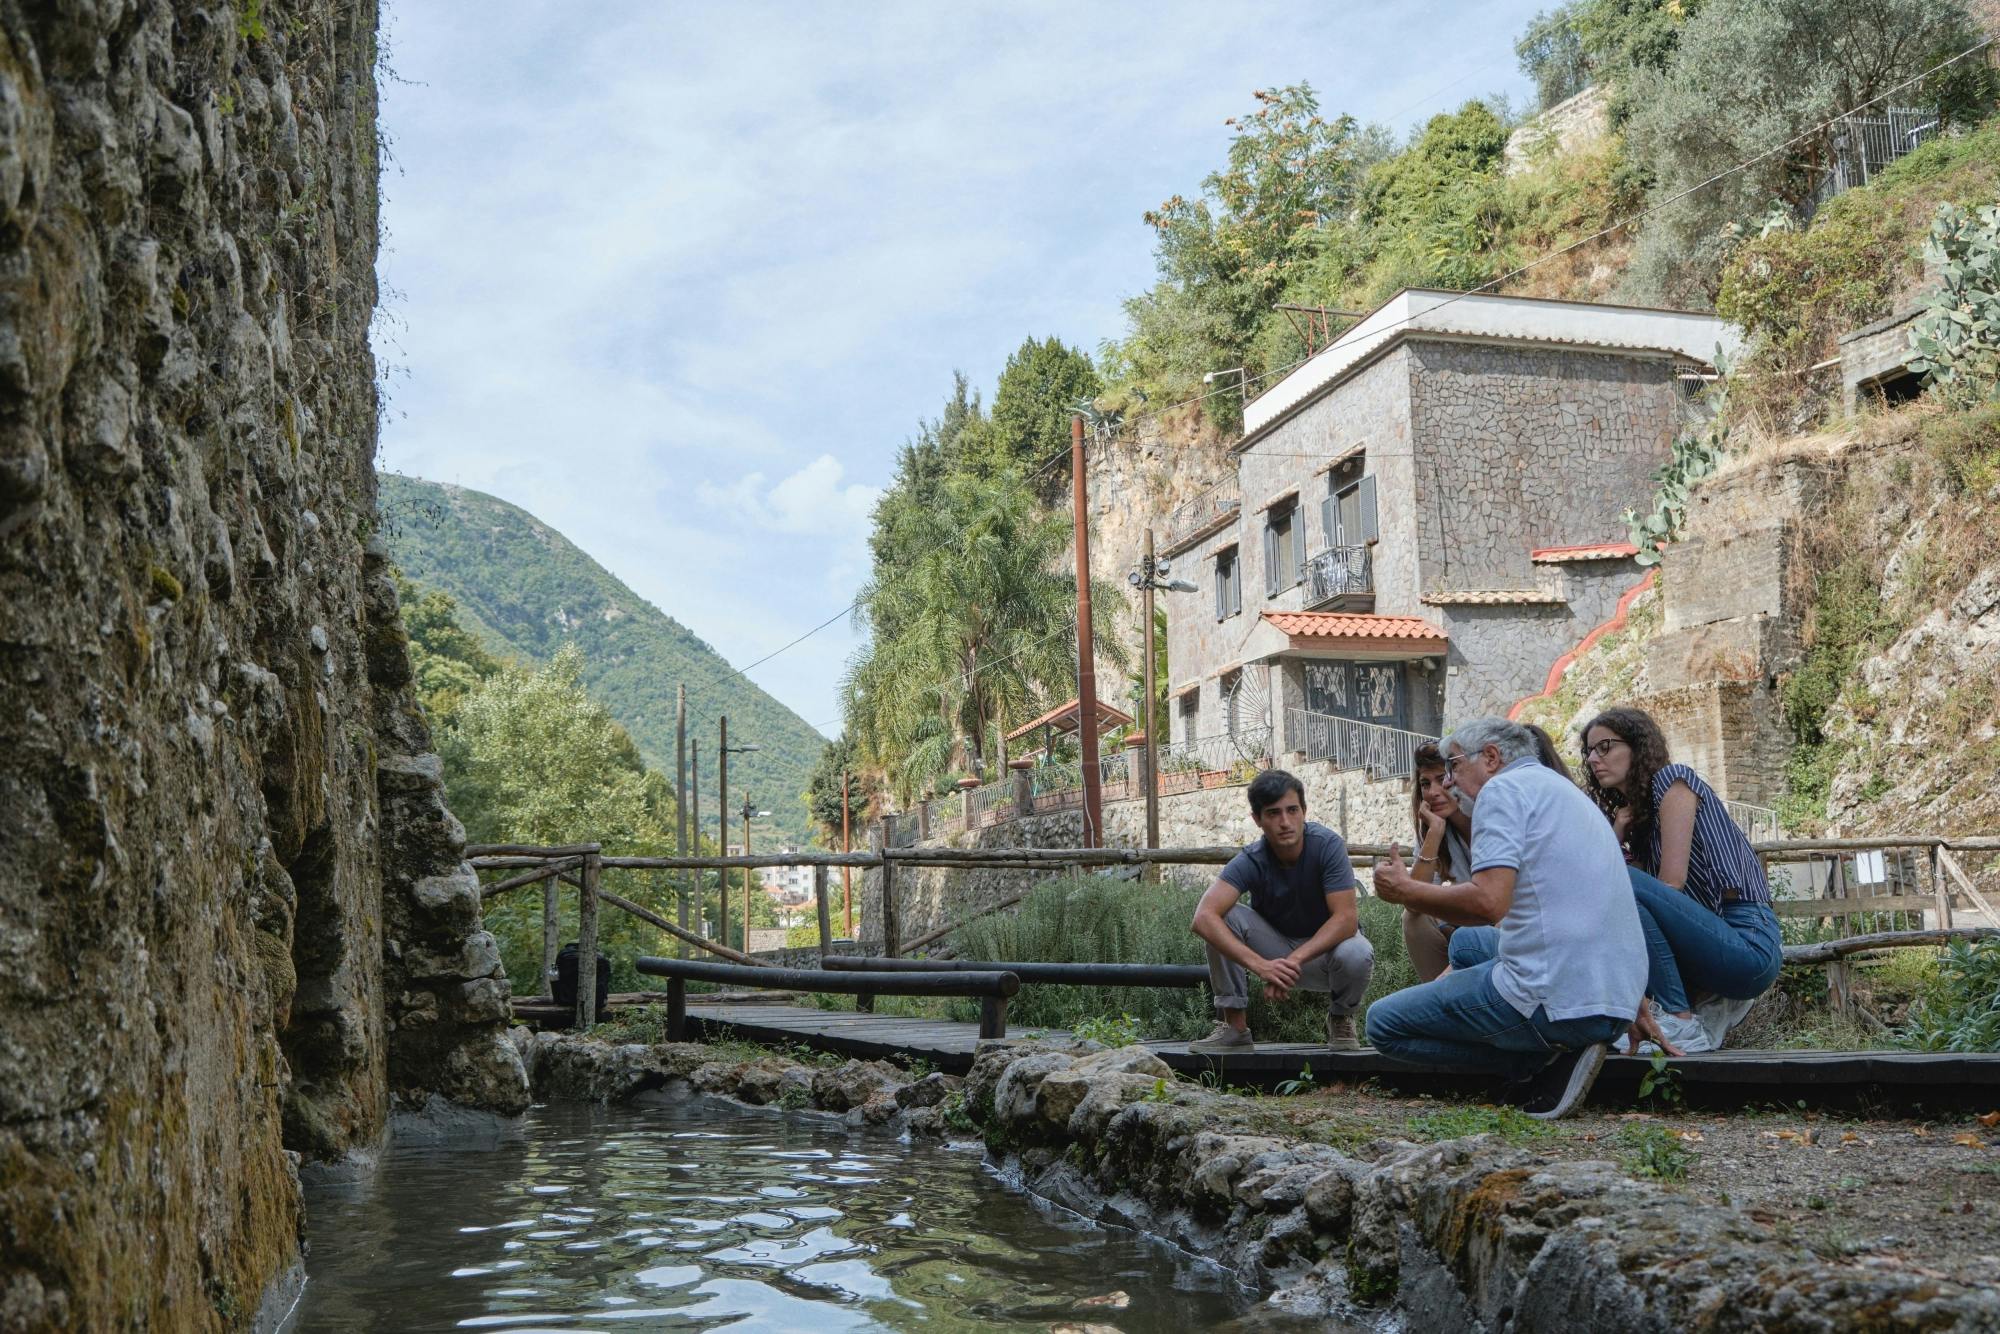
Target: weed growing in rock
x,y
1661,1083
1655,1152
1303,1084
794,1097
1111,1030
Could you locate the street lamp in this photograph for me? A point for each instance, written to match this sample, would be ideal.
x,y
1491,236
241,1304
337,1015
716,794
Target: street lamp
x,y
1149,578
1242,381
749,813
722,826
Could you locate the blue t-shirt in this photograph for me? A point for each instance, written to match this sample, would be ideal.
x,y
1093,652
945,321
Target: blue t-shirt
x,y
1720,859
1293,898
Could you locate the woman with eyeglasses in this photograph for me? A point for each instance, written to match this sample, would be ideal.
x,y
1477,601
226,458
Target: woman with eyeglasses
x,y
1444,839
1695,877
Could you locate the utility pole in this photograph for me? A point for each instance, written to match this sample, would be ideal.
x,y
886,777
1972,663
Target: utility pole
x,y
748,811
681,799
1152,734
1086,654
846,872
694,817
722,830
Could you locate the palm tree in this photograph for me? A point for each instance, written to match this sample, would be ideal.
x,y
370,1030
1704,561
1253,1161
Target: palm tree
x,y
973,624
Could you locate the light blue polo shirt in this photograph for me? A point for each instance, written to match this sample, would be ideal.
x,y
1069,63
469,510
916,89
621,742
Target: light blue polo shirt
x,y
1571,941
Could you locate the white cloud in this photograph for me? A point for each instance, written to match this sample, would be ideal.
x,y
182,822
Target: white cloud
x,y
651,261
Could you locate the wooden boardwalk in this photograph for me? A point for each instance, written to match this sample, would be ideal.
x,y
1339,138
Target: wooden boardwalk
x,y
1885,1079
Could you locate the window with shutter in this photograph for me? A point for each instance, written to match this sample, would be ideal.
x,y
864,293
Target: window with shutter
x,y
1371,530
1228,585
1298,567
1271,558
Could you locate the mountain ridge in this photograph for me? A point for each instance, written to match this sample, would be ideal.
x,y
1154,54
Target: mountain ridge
x,y
525,590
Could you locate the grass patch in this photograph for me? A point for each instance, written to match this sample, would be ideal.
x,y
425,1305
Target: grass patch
x,y
1655,1152
1509,1123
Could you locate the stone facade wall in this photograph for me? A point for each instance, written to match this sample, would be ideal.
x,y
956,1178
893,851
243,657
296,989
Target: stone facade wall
x,y
218,813
1733,607
1501,654
1365,811
1520,448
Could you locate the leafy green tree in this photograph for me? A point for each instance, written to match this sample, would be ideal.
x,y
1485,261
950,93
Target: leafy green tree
x,y
1435,209
822,794
964,613
1751,75
1039,390
447,661
1551,53
1223,255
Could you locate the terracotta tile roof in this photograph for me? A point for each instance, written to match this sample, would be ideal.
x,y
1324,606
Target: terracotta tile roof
x,y
1492,597
1064,717
1596,551
1332,629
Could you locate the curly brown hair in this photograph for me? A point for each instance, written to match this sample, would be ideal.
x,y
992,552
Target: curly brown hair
x,y
1426,756
1636,728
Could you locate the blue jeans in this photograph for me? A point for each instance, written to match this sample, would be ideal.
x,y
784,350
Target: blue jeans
x,y
1461,1022
1736,953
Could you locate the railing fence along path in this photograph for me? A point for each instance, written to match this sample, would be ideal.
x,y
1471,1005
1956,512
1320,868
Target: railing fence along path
x,y
1868,883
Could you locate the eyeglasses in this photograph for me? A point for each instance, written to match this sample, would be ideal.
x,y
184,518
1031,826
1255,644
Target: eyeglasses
x,y
1451,763
1602,748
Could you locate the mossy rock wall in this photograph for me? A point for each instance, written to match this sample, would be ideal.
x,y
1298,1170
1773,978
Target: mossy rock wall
x,y
215,925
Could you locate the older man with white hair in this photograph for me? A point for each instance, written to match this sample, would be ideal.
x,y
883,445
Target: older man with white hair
x,y
1571,962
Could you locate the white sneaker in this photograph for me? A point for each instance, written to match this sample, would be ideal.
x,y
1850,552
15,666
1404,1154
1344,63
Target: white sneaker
x,y
1719,1014
1688,1034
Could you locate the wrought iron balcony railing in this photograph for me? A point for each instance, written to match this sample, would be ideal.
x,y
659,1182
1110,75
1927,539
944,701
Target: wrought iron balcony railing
x,y
1206,511
1339,572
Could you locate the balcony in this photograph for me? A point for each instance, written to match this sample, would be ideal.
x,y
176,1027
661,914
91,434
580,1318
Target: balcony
x,y
1341,577
1208,512
1347,743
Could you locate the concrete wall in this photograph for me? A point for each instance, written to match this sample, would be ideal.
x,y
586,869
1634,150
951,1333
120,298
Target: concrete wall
x,y
1364,811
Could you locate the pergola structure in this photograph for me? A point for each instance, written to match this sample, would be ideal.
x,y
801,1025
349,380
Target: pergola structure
x,y
1064,719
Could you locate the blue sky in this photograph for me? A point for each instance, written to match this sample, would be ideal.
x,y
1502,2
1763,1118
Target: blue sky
x,y
680,278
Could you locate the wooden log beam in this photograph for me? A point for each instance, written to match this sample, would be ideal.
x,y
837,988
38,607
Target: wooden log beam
x,y
476,850
1069,974
1957,873
1828,951
821,910
650,917
540,873
586,944
751,862
812,979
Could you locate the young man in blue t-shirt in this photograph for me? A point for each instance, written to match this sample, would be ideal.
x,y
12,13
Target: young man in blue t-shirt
x,y
1298,929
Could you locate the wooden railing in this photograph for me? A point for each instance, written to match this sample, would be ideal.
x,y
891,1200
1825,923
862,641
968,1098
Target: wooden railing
x,y
1947,889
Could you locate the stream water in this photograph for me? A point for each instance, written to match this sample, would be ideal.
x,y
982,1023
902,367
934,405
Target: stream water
x,y
701,1214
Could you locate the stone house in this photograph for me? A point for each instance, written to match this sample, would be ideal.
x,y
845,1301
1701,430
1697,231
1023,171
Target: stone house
x,y
1425,516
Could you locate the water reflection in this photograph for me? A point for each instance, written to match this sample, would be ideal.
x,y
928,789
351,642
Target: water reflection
x,y
705,1215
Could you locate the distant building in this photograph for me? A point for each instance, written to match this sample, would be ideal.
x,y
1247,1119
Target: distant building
x,y
1425,516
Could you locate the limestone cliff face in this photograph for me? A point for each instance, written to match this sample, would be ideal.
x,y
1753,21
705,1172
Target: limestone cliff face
x,y
233,919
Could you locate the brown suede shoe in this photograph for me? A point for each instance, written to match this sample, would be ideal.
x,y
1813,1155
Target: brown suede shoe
x,y
1340,1033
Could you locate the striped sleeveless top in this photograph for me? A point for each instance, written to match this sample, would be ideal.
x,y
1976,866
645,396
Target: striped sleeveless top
x,y
1719,859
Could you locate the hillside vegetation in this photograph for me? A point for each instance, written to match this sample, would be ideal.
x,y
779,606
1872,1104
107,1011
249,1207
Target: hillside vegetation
x,y
526,591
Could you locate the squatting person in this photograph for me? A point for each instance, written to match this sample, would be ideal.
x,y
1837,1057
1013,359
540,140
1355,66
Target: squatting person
x,y
1298,931
1570,962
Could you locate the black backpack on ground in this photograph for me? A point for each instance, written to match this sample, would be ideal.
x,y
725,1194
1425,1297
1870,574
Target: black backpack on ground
x,y
565,981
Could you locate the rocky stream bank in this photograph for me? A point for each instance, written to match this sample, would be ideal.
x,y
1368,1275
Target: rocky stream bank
x,y
1463,1233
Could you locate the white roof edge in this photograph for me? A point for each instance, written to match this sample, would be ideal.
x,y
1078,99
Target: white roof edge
x,y
1485,316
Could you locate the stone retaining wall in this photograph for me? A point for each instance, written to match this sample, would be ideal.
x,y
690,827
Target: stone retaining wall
x,y
1462,1234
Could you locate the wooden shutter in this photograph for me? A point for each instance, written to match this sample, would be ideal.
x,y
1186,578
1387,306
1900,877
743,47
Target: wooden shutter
x,y
1371,530
1222,585
1270,557
1329,519
1298,570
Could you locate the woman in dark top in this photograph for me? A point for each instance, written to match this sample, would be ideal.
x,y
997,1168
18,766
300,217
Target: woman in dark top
x,y
1444,837
1693,872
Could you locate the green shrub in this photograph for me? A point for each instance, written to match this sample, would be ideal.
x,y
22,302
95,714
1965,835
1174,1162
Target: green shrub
x,y
1961,1009
1967,446
1656,1152
1956,341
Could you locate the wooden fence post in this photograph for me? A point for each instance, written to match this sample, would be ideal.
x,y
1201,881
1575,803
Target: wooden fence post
x,y
1839,975
819,904
677,1009
891,928
551,929
1942,888
586,943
